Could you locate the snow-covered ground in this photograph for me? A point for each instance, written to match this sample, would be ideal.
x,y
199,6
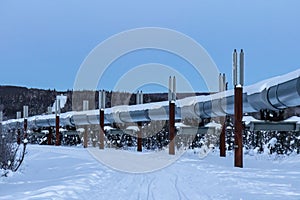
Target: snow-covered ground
x,y
51,172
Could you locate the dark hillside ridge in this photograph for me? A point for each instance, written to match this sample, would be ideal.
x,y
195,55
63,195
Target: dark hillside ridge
x,y
13,98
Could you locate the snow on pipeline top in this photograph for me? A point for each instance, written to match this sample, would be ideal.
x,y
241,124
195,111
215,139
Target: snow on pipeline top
x,y
275,93
266,84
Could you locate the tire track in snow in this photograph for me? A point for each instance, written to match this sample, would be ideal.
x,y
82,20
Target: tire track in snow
x,y
149,188
176,186
180,193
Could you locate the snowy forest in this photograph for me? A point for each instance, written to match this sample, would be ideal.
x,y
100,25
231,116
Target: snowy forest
x,y
155,133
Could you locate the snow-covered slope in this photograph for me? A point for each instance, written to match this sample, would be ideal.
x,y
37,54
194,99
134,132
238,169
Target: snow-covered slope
x,y
51,172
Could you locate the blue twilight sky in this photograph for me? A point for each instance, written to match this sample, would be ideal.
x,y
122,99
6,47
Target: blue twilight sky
x,y
44,42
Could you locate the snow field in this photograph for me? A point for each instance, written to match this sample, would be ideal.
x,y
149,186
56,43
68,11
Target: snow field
x,y
51,172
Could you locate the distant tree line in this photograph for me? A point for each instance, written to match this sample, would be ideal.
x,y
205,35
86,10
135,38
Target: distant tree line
x,y
12,99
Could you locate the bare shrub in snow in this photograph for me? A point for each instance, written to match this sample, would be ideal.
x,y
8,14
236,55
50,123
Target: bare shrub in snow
x,y
11,153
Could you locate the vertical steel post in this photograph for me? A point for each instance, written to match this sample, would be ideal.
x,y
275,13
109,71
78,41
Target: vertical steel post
x,y
19,115
57,141
141,97
234,68
18,130
57,134
222,87
172,99
49,136
174,89
223,140
85,137
220,82
25,116
238,108
224,82
102,97
242,67
238,131
25,128
18,136
85,134
101,136
139,100
170,89
139,137
172,127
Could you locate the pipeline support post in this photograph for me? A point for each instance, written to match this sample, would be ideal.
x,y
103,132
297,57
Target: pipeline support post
x,y
57,141
57,121
85,107
25,116
25,127
139,100
101,136
238,130
49,136
238,108
139,137
102,100
18,136
222,87
172,127
223,140
85,137
172,99
18,129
